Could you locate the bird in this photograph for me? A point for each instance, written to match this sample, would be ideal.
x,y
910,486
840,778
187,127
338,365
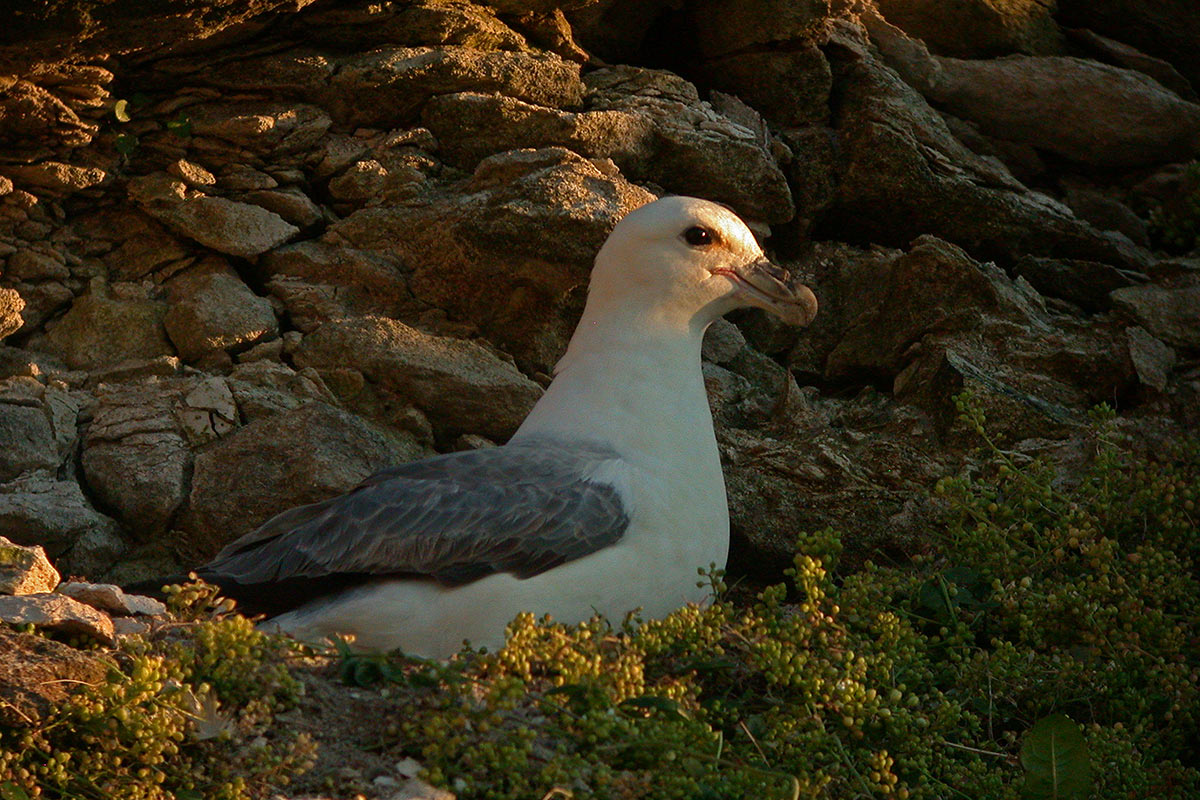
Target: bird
x,y
608,498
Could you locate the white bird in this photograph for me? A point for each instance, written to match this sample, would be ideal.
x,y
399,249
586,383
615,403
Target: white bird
x,y
607,499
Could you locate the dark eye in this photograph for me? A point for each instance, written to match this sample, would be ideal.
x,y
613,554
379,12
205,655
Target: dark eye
x,y
698,237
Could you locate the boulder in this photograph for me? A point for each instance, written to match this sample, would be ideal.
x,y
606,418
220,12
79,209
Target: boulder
x,y
99,330
57,613
1087,284
902,173
227,226
37,674
1090,113
11,305
458,384
389,85
469,250
1152,360
136,458
38,509
270,465
319,280
111,599
28,441
25,570
211,309
54,177
978,28
267,130
1170,313
1168,29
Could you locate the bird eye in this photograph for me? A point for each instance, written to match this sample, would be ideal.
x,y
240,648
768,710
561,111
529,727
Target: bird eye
x,y
698,237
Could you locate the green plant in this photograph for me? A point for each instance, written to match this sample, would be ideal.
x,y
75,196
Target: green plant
x,y
183,715
1048,643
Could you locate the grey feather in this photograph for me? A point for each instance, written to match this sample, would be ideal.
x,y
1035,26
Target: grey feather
x,y
522,508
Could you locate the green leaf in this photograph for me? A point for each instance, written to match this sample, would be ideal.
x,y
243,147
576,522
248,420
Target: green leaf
x,y
121,111
1054,755
10,791
188,794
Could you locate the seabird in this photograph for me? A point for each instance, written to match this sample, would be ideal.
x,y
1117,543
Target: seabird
x,y
606,499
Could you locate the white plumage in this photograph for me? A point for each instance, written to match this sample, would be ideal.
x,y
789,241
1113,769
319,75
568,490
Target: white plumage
x,y
608,498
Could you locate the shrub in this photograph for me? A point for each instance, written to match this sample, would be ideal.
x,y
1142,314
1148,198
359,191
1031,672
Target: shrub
x,y
182,716
1038,600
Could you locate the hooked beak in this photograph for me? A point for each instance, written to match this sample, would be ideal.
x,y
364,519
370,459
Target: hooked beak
x,y
767,286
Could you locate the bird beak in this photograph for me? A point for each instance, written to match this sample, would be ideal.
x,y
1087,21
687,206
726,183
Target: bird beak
x,y
768,286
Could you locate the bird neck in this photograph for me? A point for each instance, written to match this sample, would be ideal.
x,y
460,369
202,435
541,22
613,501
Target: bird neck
x,y
631,378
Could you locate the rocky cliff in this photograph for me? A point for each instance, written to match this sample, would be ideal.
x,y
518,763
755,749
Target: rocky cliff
x,y
253,250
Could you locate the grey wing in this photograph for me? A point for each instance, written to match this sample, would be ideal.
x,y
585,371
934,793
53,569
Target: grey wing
x,y
523,508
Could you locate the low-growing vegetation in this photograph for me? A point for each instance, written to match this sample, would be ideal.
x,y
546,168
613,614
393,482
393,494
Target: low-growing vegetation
x,y
183,715
1045,646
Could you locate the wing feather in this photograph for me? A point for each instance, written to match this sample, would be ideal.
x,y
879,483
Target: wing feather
x,y
523,508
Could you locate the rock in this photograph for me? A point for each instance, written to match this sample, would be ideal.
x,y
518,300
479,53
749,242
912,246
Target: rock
x,y
470,252
320,280
651,123
244,178
1131,58
978,28
58,613
290,203
25,570
369,182
790,85
34,265
1091,113
754,25
28,441
935,286
825,473
144,247
902,173
391,84
112,599
11,305
212,309
276,463
1152,359
1087,284
697,150
192,174
417,789
238,229
424,22
136,459
265,388
458,384
268,130
99,330
1106,213
32,118
55,178
42,301
208,411
37,674
1168,29
1170,314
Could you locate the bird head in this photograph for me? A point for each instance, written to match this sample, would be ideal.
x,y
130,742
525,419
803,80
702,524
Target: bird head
x,y
687,259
